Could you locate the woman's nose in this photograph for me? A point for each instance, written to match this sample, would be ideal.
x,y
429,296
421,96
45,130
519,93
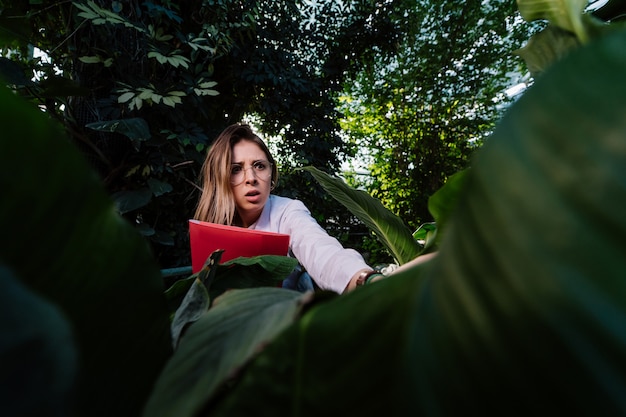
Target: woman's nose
x,y
250,175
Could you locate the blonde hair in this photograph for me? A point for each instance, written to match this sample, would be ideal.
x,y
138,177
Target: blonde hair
x,y
216,204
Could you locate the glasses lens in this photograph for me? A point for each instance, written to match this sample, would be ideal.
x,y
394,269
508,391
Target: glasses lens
x,y
262,170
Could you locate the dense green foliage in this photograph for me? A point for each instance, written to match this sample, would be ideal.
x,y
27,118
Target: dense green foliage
x,y
143,87
96,333
517,313
521,312
417,115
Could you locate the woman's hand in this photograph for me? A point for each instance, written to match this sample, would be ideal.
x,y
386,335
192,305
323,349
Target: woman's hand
x,y
417,261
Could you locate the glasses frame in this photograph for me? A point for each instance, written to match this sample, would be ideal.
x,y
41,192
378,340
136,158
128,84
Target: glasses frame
x,y
254,172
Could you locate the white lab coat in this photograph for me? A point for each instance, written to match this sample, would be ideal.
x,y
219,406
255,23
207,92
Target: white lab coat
x,y
330,264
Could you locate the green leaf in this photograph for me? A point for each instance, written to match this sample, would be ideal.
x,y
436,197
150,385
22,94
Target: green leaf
x,y
255,271
37,352
196,301
135,128
169,101
136,103
427,233
522,312
159,188
545,48
126,97
90,59
276,264
388,227
146,93
155,97
13,74
360,339
145,229
215,347
129,200
443,203
63,239
565,14
238,273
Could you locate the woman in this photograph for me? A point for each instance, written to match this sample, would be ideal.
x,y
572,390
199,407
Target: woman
x,y
238,175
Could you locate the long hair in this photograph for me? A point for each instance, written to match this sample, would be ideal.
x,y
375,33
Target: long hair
x,y
216,204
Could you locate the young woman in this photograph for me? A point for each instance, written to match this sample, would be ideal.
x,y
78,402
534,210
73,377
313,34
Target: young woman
x,y
238,176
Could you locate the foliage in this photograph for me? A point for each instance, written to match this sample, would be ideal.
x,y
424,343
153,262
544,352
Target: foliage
x,y
37,352
98,286
142,87
228,341
390,231
459,335
189,298
387,227
86,320
419,114
520,313
569,27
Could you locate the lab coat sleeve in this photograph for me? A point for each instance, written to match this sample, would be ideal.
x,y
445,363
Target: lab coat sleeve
x,y
325,259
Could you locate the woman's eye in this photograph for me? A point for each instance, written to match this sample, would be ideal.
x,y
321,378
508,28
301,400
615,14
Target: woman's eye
x,y
260,166
235,169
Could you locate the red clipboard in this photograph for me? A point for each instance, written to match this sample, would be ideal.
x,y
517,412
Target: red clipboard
x,y
205,238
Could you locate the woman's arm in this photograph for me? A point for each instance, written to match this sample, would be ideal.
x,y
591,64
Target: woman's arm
x,y
330,264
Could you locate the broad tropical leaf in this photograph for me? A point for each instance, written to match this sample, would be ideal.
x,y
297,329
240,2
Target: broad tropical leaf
x,y
238,273
216,347
255,271
136,129
443,203
63,239
196,301
37,353
133,128
565,14
389,228
545,48
129,200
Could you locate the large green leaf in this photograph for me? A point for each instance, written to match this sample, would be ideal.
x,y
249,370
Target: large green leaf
x,y
38,358
255,271
565,14
546,47
196,300
129,200
136,129
62,237
238,273
443,203
389,228
215,347
570,25
523,311
13,74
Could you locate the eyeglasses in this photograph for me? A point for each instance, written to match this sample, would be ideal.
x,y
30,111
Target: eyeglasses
x,y
262,170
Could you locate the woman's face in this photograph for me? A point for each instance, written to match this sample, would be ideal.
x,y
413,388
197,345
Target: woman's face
x,y
251,178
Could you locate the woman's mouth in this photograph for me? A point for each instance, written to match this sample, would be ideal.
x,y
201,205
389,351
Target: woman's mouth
x,y
252,196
